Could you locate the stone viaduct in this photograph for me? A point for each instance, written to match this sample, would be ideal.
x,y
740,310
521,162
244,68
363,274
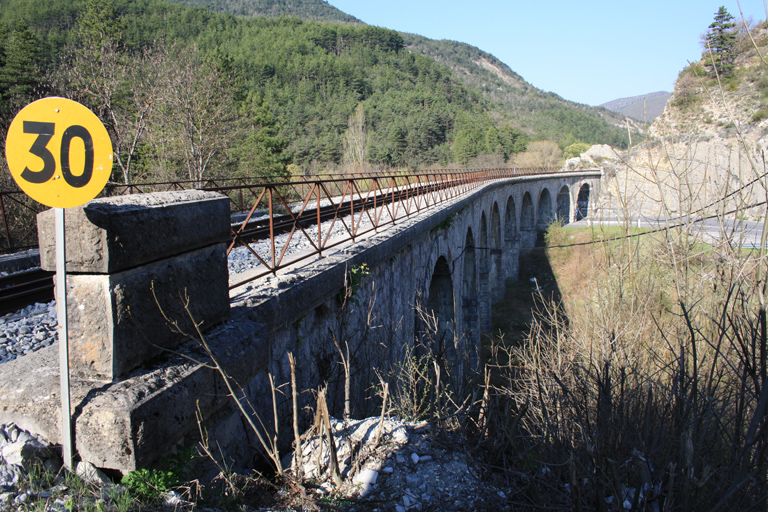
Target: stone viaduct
x,y
366,301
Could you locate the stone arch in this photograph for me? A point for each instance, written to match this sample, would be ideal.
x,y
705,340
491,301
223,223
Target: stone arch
x,y
440,305
564,205
545,211
483,275
511,240
469,295
582,202
527,222
496,274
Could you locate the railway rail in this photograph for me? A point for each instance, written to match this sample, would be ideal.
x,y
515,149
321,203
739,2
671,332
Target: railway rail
x,y
24,288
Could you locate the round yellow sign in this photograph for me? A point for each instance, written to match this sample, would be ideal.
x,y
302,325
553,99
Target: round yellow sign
x,y
59,152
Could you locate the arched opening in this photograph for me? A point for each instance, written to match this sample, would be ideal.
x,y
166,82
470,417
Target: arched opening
x,y
582,202
511,240
527,222
483,277
469,299
545,212
564,205
496,274
440,310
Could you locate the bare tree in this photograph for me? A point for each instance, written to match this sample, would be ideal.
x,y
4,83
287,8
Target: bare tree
x,y
541,153
196,118
355,142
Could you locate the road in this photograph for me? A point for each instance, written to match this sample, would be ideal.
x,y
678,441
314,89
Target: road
x,y
743,233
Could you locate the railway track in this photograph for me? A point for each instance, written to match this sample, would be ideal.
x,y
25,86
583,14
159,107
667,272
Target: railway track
x,y
24,288
280,224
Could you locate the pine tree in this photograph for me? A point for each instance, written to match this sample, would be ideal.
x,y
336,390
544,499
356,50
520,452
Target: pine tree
x,y
720,41
19,75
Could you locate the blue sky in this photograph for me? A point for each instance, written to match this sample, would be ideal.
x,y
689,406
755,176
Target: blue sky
x,y
590,52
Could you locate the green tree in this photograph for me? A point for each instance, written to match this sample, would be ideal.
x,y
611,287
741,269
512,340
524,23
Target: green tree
x,y
261,150
19,76
720,41
576,149
465,146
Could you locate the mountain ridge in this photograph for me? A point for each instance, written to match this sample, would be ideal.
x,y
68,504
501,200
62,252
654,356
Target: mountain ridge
x,y
512,100
311,10
621,103
643,108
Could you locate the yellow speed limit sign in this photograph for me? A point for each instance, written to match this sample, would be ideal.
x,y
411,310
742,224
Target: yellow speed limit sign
x,y
59,152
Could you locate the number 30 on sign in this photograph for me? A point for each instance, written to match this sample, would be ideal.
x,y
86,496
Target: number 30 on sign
x,y
59,152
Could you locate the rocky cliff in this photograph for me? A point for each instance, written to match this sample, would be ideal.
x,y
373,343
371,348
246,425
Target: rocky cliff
x,y
706,151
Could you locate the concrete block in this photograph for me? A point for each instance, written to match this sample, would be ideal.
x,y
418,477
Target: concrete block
x,y
117,233
116,323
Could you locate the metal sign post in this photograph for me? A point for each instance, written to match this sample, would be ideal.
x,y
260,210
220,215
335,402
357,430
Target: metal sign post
x,y
61,314
60,155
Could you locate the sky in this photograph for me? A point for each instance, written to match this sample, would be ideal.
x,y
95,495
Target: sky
x,y
589,52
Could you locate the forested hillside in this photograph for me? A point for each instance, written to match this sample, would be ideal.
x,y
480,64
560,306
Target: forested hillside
x,y
510,99
542,115
290,95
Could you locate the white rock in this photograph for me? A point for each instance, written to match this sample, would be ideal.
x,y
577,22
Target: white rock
x,y
415,458
172,499
91,473
366,479
388,469
11,452
425,458
9,475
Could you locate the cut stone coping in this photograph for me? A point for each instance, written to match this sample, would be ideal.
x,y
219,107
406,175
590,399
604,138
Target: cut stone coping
x,y
112,234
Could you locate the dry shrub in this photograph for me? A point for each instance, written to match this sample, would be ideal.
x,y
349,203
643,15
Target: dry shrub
x,y
648,391
540,153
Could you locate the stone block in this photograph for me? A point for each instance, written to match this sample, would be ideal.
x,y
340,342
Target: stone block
x,y
130,424
117,233
115,321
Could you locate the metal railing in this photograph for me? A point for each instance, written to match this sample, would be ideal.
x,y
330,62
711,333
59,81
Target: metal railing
x,y
18,211
287,222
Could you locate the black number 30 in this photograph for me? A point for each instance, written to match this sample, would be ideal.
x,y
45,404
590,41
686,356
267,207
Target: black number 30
x,y
45,132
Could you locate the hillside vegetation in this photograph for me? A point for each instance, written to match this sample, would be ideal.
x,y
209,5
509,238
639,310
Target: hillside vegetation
x,y
510,99
542,115
310,10
291,94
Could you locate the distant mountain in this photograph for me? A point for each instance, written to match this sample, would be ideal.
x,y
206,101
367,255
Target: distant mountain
x,y
313,10
538,113
633,106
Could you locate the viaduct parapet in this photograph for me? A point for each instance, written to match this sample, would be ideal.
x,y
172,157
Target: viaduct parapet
x,y
425,284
